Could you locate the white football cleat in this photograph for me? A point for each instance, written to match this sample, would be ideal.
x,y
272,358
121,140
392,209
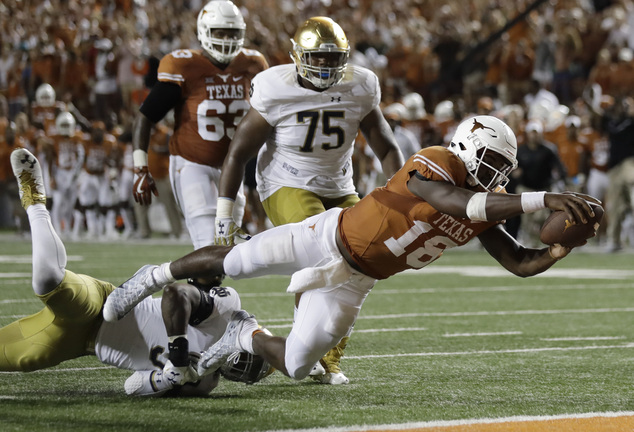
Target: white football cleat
x,y
318,370
212,359
147,383
126,296
28,172
334,378
331,366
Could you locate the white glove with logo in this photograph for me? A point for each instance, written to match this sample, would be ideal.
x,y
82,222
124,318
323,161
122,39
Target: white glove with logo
x,y
179,375
226,227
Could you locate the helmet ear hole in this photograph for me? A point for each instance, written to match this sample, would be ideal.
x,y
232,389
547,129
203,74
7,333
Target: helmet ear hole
x,y
462,146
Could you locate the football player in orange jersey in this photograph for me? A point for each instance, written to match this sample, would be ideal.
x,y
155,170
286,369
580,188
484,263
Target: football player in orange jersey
x,y
208,90
441,198
95,196
66,162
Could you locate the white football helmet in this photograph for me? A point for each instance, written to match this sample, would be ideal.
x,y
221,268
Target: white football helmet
x,y
415,105
444,111
474,139
323,36
395,111
45,95
221,14
65,124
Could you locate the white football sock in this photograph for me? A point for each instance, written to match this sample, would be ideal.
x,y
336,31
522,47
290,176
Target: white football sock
x,y
246,335
49,253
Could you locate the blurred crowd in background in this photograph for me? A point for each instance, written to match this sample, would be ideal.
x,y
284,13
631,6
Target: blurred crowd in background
x,y
559,72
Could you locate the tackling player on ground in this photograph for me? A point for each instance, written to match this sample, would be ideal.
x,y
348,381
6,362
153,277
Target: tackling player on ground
x,y
157,340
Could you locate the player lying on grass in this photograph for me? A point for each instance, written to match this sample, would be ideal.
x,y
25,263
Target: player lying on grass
x,y
156,339
441,198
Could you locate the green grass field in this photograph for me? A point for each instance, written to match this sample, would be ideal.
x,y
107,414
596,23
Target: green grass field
x,y
461,339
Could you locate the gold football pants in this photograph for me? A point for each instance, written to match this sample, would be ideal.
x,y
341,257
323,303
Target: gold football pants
x,y
63,330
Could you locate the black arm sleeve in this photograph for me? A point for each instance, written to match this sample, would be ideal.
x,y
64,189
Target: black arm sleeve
x,y
162,98
204,309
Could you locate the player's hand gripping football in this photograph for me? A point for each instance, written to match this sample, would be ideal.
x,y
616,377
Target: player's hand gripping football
x,y
576,205
144,186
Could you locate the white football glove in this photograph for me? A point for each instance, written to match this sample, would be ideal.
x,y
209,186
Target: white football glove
x,y
227,230
177,376
226,227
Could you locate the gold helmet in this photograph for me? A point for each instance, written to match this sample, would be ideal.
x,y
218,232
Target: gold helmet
x,y
320,51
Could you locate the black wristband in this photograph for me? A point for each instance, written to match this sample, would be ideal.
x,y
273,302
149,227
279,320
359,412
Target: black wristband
x,y
179,352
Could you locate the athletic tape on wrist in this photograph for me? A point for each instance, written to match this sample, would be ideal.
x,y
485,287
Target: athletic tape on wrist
x,y
533,201
167,273
139,157
476,207
225,208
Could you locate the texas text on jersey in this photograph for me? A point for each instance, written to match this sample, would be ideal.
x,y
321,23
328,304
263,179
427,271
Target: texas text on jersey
x,y
392,230
216,98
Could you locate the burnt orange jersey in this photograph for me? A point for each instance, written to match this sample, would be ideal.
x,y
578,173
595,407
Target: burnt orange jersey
x,y
67,151
98,155
46,115
391,229
598,146
213,101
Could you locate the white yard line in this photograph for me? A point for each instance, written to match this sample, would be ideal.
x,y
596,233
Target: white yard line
x,y
456,314
591,338
509,333
485,352
387,330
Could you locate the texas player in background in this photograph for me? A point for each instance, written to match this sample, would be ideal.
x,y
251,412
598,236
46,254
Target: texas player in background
x,y
302,127
95,196
68,155
208,90
441,198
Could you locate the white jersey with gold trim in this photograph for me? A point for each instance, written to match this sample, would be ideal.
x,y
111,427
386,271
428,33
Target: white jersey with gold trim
x,y
139,340
311,147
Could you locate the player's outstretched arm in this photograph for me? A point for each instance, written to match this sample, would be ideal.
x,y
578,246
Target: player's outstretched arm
x,y
490,206
517,259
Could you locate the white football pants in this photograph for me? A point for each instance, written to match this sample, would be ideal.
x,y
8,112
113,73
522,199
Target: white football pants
x,y
324,315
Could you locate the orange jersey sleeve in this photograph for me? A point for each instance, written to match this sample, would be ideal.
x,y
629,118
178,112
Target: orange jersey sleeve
x,y
391,229
213,101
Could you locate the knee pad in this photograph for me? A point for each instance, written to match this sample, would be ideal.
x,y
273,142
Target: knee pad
x,y
260,255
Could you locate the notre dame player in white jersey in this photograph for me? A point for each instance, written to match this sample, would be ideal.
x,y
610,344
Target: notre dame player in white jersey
x,y
303,120
159,340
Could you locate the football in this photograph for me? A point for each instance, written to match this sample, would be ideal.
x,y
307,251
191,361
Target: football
x,y
558,229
